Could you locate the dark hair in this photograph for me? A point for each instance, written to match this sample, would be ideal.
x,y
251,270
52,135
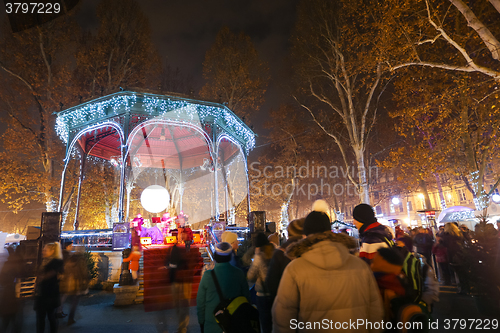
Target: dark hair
x,y
392,256
408,242
260,240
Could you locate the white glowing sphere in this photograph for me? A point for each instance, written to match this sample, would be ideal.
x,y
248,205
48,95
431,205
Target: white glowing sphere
x,y
495,198
155,198
395,201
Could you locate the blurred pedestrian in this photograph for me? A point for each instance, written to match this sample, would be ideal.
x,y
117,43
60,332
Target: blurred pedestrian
x,y
277,266
75,281
372,234
454,242
133,259
423,242
180,278
11,306
439,250
187,237
257,273
67,247
47,295
465,232
232,282
325,282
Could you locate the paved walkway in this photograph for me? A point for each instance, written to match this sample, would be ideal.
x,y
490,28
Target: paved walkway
x,y
96,314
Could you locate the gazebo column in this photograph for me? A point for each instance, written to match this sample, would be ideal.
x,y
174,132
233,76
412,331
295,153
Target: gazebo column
x,y
216,165
123,150
63,181
179,156
248,183
76,224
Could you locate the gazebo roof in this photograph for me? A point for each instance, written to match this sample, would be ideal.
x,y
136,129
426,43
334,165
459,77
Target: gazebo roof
x,y
129,109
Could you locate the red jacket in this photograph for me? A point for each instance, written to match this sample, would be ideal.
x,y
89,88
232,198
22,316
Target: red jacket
x,y
188,234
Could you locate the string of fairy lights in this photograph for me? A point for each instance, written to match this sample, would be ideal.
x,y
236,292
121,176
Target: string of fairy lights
x,y
180,110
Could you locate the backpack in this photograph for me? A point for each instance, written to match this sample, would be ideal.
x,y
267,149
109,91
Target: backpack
x,y
415,271
235,315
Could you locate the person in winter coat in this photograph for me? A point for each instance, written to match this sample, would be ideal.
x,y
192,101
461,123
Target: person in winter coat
x,y
257,273
372,234
187,237
277,266
439,250
424,284
11,307
47,296
423,242
75,280
325,283
453,241
387,266
232,282
134,258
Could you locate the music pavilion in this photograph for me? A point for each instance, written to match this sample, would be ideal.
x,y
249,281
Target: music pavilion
x,y
177,154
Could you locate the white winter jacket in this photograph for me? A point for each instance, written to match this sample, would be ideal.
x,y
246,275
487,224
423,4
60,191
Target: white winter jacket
x,y
326,289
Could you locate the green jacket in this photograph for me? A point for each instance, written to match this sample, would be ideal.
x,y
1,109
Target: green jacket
x,y
232,282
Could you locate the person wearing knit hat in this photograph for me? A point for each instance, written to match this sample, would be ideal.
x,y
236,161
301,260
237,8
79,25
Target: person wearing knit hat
x,y
257,273
232,282
325,282
372,234
232,238
296,228
316,222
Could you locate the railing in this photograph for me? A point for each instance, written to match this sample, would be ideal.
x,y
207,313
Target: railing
x,y
211,242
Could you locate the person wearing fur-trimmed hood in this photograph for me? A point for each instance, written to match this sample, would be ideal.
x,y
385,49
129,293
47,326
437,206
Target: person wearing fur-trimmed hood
x,y
325,283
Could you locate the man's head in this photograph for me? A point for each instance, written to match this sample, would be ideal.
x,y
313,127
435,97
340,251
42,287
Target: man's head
x,y
363,214
231,238
441,228
316,222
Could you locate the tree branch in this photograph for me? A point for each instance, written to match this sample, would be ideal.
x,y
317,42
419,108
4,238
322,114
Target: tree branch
x,y
487,37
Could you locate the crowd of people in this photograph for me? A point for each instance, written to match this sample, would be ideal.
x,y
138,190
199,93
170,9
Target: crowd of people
x,y
295,283
61,278
317,275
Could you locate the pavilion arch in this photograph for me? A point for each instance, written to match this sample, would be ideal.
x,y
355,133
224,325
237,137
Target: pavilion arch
x,y
232,176
168,133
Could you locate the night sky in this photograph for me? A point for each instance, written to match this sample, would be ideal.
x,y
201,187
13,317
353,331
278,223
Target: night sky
x,y
184,30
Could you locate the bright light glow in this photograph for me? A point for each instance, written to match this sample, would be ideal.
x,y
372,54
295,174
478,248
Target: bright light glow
x,y
395,200
421,196
449,196
155,198
495,198
406,221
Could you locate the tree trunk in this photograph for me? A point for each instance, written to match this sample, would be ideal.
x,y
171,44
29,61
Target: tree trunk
x,y
363,188
440,191
427,199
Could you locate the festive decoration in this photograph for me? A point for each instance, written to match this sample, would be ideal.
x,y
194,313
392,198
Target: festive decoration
x,y
461,216
155,198
481,199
